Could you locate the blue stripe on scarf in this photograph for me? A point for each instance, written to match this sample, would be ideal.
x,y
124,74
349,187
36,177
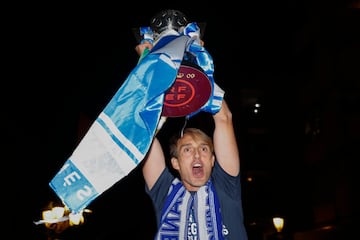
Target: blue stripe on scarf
x,y
173,224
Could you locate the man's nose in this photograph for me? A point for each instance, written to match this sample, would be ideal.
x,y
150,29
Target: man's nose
x,y
197,153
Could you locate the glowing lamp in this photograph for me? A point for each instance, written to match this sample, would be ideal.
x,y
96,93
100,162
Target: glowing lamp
x,y
278,223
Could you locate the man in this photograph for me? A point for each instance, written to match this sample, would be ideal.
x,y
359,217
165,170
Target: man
x,y
193,156
203,201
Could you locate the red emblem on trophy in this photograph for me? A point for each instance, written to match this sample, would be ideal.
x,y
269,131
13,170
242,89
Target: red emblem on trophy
x,y
190,91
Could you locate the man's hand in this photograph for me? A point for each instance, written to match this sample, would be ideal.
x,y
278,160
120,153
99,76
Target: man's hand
x,y
140,48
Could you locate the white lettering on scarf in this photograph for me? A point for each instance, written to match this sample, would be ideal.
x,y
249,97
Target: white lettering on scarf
x,y
177,211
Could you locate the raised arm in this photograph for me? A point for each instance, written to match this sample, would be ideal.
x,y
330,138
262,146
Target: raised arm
x,y
153,164
226,149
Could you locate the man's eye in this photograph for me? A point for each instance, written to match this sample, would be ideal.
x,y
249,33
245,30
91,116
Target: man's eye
x,y
204,149
188,150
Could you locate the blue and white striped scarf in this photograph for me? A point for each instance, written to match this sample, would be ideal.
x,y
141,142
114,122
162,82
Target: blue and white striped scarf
x,y
121,135
175,216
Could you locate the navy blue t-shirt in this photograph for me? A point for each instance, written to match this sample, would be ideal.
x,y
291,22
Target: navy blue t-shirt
x,y
228,189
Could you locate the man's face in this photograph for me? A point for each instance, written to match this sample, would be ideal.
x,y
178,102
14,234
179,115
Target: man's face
x,y
194,163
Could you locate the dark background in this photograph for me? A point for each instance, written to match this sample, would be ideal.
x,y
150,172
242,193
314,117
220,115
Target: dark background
x,y
299,59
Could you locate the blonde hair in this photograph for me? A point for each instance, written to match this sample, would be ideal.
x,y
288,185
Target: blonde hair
x,y
195,133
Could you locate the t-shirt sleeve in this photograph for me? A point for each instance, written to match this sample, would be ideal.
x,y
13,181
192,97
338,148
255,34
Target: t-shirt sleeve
x,y
159,191
230,185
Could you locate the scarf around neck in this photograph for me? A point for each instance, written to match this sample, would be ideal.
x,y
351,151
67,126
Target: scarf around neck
x,y
175,215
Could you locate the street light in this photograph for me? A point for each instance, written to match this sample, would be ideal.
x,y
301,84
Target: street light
x,y
60,218
278,223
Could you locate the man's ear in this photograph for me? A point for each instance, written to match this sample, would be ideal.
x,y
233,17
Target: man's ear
x,y
175,163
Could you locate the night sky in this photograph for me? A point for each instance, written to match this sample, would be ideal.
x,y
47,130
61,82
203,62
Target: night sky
x,y
67,61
